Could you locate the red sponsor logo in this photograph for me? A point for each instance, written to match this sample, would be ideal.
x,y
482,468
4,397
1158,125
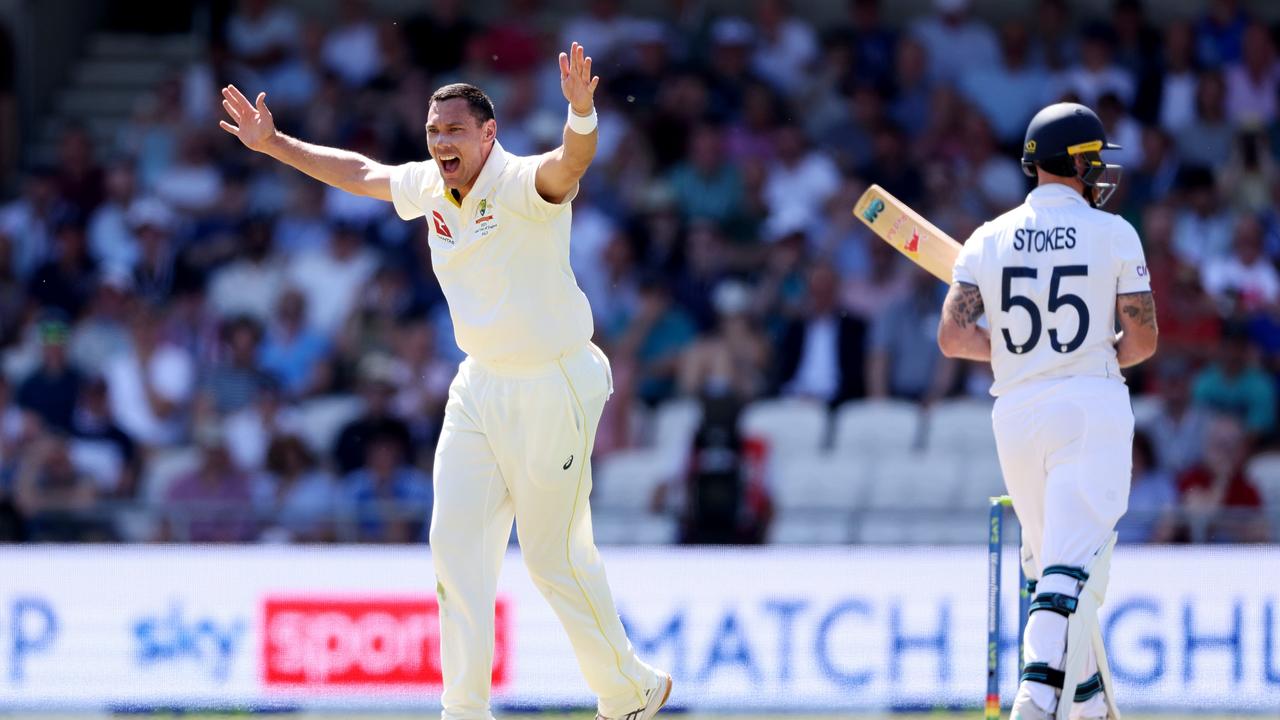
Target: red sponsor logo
x,y
442,228
913,245
362,641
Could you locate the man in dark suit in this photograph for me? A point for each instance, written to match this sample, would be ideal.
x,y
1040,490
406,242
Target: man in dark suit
x,y
822,353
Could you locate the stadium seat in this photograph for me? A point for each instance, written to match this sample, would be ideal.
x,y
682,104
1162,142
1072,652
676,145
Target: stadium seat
x,y
639,424
1146,408
885,529
322,419
618,527
1264,471
626,480
674,424
871,428
653,529
962,426
818,481
980,479
164,467
801,527
931,529
913,481
789,426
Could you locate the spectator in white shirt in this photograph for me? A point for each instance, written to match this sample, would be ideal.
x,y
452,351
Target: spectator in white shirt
x,y
801,180
150,383
251,284
262,37
1178,80
1246,280
351,49
955,41
1178,429
29,221
785,48
1122,130
303,225
1054,43
1097,74
192,183
1207,139
249,432
1021,85
994,180
1202,230
603,26
1253,82
331,278
111,241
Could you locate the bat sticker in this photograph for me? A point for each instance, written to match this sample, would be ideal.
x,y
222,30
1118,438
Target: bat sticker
x,y
913,245
873,210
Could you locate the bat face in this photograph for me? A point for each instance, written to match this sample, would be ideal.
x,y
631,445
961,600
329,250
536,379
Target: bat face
x,y
907,232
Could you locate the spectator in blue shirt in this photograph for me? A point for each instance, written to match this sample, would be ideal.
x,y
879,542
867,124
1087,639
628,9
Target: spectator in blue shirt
x,y
293,351
1153,498
1236,386
390,499
51,391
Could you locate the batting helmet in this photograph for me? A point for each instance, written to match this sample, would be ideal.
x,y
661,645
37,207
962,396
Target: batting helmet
x,y
1063,132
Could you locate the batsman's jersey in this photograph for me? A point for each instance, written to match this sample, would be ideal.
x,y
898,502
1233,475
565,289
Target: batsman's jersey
x,y
502,259
1049,271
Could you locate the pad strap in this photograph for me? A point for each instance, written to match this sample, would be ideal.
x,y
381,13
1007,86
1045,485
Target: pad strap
x,y
1046,675
1072,572
1089,688
1031,586
1064,605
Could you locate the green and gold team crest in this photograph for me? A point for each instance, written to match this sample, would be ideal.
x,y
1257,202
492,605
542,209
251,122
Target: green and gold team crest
x,y
485,222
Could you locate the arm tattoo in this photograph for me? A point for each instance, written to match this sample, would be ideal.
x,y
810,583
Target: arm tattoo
x,y
1140,308
964,304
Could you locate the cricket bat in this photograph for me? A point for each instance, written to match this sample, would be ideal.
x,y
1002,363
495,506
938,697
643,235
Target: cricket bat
x,y
908,232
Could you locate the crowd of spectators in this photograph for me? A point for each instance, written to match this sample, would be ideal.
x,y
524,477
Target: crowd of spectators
x,y
175,290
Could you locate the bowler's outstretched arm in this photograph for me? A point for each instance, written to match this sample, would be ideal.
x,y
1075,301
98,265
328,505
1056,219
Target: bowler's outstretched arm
x,y
343,169
562,168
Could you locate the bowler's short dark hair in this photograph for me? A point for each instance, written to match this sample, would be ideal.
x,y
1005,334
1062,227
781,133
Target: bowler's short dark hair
x,y
480,104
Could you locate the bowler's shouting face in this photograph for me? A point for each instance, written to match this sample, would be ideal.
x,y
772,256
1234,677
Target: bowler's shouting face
x,y
456,138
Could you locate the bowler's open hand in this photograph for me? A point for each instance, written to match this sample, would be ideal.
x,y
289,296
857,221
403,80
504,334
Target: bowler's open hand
x,y
576,81
254,125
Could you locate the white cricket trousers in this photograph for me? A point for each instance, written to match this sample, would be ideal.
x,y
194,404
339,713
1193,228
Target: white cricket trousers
x,y
1065,449
516,443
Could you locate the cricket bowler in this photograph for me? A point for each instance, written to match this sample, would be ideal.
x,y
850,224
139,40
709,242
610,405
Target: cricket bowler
x,y
522,412
1053,276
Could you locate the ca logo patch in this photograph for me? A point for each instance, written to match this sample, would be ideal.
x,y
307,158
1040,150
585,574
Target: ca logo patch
x,y
485,222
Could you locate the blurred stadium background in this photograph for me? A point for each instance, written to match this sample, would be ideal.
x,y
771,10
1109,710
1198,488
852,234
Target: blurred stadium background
x,y
226,380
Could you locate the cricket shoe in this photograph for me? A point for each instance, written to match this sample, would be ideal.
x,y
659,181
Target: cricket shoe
x,y
654,699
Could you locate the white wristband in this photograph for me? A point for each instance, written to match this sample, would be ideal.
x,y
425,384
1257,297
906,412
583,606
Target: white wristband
x,y
583,125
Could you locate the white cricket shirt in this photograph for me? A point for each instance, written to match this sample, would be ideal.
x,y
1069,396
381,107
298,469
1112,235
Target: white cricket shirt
x,y
1049,271
502,259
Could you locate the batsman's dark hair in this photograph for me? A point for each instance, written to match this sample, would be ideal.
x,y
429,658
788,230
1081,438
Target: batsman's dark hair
x,y
480,104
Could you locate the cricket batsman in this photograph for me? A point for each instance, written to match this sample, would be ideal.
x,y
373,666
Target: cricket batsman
x,y
522,411
1053,276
